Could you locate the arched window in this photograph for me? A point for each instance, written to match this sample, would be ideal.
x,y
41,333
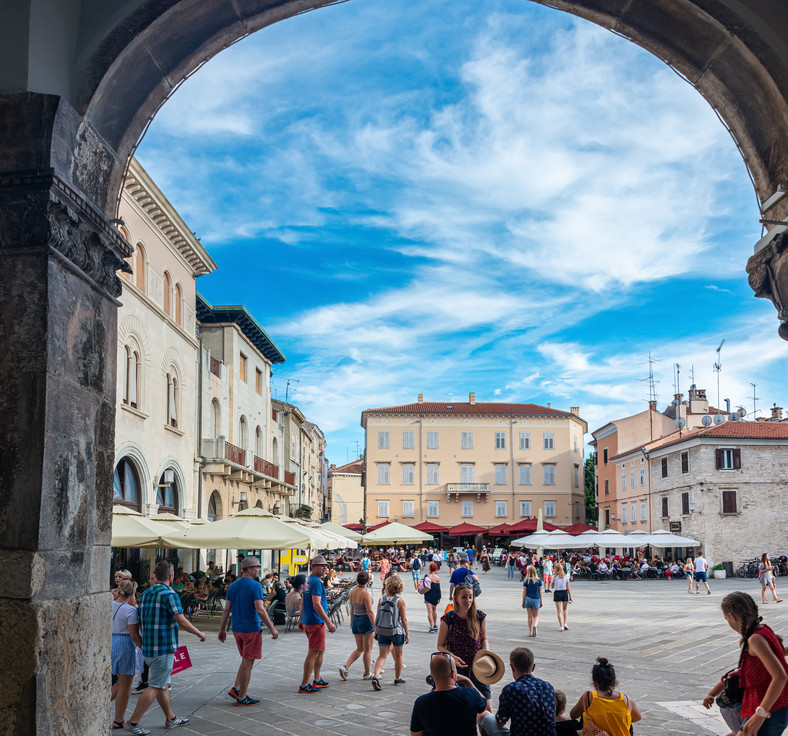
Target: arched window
x,y
167,295
243,434
275,451
258,442
259,505
126,485
216,416
167,492
178,305
139,267
131,375
173,396
215,507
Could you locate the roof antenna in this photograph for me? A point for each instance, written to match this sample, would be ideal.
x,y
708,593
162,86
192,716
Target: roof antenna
x,y
287,388
754,399
652,382
718,370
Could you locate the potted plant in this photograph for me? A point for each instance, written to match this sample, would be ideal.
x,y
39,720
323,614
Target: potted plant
x,y
719,571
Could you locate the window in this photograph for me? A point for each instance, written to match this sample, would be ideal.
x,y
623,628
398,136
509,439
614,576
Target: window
x,y
258,442
383,508
126,484
407,509
525,475
728,459
500,440
549,475
624,513
433,474
408,474
466,440
632,480
549,509
643,516
548,439
604,454
216,419
432,440
500,509
623,481
525,508
642,476
633,512
607,517
525,440
383,440
500,475
243,434
467,509
167,295
685,504
664,507
384,474
577,509
258,381
729,504
466,473
607,487
408,440
664,467
577,476
167,493
575,441
173,395
178,305
243,364
433,509
139,268
131,372
685,462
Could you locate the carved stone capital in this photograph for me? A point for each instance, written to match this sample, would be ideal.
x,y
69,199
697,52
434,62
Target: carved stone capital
x,y
39,210
768,277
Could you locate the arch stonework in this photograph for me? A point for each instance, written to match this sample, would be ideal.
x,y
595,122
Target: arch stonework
x,y
71,113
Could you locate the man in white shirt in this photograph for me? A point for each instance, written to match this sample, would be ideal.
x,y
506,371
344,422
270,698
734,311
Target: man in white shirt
x,y
701,567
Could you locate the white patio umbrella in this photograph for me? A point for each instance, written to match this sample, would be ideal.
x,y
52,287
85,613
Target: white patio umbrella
x,y
131,529
337,529
396,533
320,539
663,538
609,539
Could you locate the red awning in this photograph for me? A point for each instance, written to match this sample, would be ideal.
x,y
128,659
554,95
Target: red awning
x,y
501,530
429,527
576,529
376,526
529,525
354,527
466,528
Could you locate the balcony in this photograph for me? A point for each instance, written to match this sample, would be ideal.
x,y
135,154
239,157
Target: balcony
x,y
289,478
227,459
234,454
266,468
463,490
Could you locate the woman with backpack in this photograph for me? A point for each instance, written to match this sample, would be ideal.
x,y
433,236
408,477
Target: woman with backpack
x,y
391,629
362,624
432,596
462,633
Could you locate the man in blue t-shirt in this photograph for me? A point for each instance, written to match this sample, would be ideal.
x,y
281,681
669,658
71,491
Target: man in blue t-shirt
x,y
245,601
448,710
314,622
458,577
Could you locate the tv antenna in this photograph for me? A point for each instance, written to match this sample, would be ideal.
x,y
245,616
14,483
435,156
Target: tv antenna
x,y
676,379
287,388
754,400
652,382
718,370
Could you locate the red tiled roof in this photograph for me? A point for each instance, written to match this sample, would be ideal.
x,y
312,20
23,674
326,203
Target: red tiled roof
x,y
734,430
459,407
356,466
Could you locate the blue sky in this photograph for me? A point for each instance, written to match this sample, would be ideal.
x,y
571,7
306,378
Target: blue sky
x,y
453,196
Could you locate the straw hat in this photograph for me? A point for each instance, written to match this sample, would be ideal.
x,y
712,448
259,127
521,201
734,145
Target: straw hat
x,y
488,667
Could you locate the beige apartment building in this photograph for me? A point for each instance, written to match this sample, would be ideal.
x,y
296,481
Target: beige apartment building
x,y
346,493
482,463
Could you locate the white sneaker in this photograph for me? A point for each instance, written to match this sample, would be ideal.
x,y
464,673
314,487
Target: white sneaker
x,y
343,673
136,730
367,677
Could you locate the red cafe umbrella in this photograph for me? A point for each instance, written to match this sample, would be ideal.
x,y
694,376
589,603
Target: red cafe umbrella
x,y
465,528
354,527
529,525
502,530
430,527
579,528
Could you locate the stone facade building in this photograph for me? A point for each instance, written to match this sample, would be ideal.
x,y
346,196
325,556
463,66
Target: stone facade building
x,y
346,492
726,486
483,463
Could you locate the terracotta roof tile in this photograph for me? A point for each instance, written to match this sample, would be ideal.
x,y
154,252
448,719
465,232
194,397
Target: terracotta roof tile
x,y
355,466
732,430
457,407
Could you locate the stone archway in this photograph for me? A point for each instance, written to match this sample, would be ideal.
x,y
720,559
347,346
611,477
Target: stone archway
x,y
74,100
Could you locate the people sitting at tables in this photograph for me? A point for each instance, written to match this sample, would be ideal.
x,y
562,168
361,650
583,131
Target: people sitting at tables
x,y
293,598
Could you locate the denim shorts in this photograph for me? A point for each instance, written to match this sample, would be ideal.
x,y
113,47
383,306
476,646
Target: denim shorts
x,y
159,670
361,625
397,640
532,602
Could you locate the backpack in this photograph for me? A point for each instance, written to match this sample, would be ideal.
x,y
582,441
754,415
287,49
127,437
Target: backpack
x,y
387,617
474,583
425,585
416,563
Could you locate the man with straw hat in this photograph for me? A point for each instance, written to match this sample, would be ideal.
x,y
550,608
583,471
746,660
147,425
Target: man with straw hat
x,y
450,710
314,622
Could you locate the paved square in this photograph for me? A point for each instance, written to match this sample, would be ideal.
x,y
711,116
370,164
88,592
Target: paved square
x,y
668,648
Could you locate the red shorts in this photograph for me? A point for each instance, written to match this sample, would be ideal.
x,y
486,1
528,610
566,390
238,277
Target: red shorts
x,y
316,636
249,643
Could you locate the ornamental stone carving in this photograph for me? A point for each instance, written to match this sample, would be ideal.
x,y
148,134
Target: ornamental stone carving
x,y
768,277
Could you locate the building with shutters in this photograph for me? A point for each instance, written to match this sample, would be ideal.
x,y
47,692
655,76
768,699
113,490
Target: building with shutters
x,y
483,463
346,492
726,486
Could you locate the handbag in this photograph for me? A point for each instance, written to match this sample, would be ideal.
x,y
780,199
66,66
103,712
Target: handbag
x,y
139,659
590,728
732,691
181,660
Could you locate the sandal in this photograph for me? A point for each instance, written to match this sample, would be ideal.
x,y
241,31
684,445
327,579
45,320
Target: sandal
x,y
117,725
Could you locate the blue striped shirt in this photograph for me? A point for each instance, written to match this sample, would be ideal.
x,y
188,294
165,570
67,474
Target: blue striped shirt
x,y
158,607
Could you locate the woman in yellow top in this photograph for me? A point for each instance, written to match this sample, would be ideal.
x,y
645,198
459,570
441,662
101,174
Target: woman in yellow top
x,y
605,707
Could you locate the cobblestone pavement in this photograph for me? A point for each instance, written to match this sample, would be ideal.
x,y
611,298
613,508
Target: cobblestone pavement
x,y
668,648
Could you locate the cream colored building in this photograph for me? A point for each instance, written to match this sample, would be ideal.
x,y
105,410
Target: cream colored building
x,y
483,463
346,493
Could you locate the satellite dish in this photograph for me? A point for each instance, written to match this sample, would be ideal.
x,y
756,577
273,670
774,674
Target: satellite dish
x,y
719,418
742,412
680,422
706,421
733,417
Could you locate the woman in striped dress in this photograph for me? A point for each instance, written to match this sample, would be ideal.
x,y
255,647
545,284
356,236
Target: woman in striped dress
x,y
125,635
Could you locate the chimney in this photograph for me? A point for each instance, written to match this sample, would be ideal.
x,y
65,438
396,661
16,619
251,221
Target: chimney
x,y
472,398
421,398
652,405
777,413
333,467
548,405
575,410
678,397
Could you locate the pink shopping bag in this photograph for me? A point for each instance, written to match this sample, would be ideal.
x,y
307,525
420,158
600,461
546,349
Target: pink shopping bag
x,y
181,660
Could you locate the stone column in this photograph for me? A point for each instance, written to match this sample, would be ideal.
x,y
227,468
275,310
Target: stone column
x,y
58,289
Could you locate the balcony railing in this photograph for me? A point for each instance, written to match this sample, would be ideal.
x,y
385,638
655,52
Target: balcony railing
x,y
289,478
468,488
234,454
265,467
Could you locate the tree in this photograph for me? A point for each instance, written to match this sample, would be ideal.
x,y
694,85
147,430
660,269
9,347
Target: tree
x,y
590,489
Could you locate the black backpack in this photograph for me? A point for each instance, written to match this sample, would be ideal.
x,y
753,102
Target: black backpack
x,y
474,583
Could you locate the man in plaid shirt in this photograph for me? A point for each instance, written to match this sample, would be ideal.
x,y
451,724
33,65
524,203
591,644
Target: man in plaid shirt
x,y
160,615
